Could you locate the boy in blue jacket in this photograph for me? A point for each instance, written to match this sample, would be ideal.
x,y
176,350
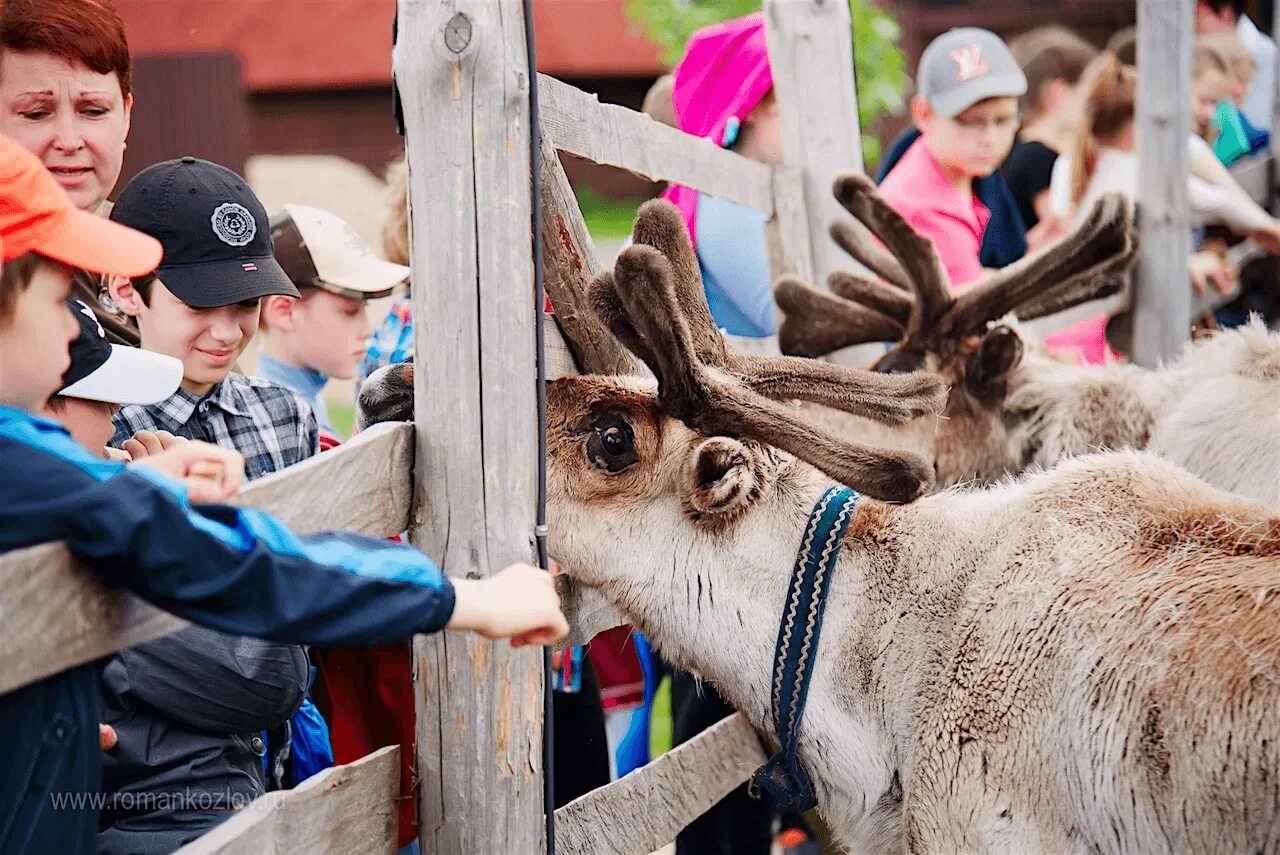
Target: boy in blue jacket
x,y
235,570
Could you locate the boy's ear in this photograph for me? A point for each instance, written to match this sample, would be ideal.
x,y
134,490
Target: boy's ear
x,y
921,111
277,312
124,295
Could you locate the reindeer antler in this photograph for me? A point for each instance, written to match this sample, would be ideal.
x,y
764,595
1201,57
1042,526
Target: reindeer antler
x,y
654,303
1089,264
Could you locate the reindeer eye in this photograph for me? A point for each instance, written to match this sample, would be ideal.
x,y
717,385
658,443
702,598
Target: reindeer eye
x,y
611,445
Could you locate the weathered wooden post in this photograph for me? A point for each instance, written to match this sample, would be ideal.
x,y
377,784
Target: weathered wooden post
x,y
811,54
1161,293
463,78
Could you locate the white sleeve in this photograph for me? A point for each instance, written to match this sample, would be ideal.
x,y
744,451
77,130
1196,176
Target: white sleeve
x,y
1260,98
1060,187
1213,204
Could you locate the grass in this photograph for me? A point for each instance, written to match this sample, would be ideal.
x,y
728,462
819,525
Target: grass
x,y
607,219
343,417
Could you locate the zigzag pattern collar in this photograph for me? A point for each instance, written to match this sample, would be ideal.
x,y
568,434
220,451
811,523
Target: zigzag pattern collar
x,y
798,633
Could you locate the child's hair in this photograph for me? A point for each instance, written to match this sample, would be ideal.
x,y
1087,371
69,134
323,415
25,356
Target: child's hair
x,y
1046,54
1124,44
1236,58
657,101
142,286
16,278
1108,89
395,228
1206,58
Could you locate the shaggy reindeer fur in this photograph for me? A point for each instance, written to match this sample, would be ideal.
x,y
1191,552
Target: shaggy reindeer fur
x,y
1084,661
1215,411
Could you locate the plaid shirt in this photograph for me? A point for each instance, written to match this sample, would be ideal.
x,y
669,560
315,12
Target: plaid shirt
x,y
267,423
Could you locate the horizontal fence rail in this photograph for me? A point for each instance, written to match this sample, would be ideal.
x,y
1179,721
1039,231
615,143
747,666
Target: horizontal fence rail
x,y
613,135
344,810
55,614
646,809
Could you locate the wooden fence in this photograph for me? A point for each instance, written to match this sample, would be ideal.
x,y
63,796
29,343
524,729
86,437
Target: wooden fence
x,y
462,71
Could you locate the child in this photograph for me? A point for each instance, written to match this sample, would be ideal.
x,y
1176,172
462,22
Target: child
x,y
1052,58
325,333
237,570
102,377
202,307
966,111
722,90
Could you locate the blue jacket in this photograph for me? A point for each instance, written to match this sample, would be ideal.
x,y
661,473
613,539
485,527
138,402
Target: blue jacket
x,y
235,570
1005,240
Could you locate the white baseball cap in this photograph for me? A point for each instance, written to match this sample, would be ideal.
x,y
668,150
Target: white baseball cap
x,y
321,250
115,373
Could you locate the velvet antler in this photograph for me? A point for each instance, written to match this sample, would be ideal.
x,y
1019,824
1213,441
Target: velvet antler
x,y
1090,263
653,301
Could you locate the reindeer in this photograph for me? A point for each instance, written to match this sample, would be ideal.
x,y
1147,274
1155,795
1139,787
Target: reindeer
x,y
1083,660
1215,411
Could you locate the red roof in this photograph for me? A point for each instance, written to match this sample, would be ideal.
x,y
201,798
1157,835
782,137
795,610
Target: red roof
x,y
305,44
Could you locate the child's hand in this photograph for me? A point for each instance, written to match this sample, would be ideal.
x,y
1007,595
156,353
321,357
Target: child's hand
x,y
106,737
210,473
146,443
519,603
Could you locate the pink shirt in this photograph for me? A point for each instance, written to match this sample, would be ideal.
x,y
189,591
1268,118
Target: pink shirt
x,y
922,194
954,221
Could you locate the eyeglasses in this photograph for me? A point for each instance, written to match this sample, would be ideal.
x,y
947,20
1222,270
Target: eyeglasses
x,y
999,124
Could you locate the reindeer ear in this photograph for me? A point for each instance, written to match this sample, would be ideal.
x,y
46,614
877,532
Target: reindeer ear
x,y
726,478
987,371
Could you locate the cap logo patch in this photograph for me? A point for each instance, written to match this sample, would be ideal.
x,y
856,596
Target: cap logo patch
x,y
970,62
233,224
249,267
88,313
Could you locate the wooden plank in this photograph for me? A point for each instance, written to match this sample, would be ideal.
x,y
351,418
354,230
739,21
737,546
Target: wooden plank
x,y
461,68
372,469
55,614
1161,299
647,809
344,810
811,52
613,135
569,264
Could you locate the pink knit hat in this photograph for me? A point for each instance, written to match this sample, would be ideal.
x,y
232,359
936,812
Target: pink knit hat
x,y
723,76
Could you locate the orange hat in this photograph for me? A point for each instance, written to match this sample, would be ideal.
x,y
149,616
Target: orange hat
x,y
37,216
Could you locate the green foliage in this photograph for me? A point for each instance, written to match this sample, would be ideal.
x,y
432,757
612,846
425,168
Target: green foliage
x,y
879,64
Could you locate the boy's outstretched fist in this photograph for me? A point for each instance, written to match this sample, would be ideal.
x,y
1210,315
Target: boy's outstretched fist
x,y
211,474
519,603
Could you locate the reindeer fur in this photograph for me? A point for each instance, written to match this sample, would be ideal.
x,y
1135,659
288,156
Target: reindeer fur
x,y
1084,660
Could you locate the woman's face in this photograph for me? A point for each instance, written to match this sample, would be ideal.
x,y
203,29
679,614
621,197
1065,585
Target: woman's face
x,y
72,118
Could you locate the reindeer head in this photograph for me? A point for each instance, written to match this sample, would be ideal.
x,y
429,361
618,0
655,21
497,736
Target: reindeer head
x,y
718,434
959,335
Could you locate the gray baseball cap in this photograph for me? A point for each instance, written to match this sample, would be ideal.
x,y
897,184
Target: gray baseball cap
x,y
964,66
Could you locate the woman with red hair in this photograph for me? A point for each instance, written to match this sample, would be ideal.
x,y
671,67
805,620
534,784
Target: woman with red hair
x,y
66,94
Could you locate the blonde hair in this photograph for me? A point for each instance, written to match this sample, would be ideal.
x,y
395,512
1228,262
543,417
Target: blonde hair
x,y
1205,57
1236,58
1109,89
395,227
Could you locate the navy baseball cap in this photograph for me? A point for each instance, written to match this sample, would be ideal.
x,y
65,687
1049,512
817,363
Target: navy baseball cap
x,y
215,233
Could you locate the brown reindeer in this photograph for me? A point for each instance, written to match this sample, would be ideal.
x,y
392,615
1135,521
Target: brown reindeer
x,y
1085,660
1215,411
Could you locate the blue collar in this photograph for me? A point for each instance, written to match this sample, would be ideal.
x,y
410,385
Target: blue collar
x,y
787,784
52,438
306,382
